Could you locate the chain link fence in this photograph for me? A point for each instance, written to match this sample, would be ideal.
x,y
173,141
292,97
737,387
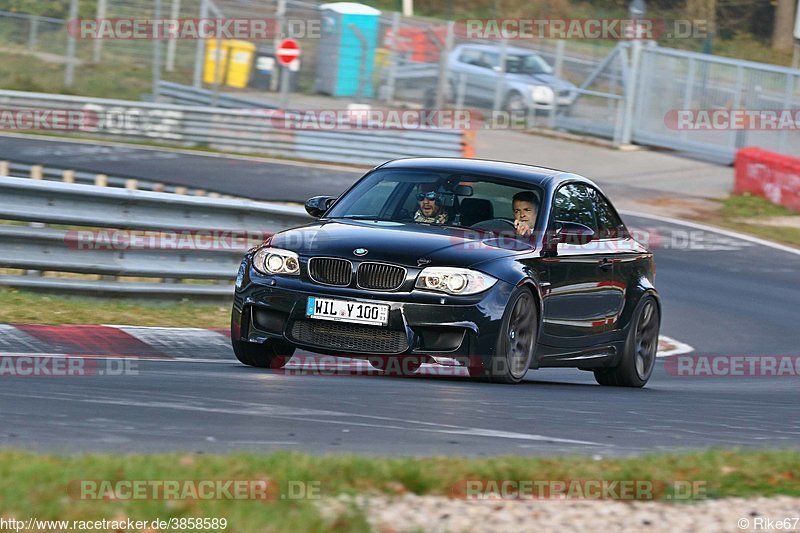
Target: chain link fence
x,y
624,91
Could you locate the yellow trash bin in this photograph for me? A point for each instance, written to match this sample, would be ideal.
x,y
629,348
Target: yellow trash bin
x,y
235,62
240,62
210,66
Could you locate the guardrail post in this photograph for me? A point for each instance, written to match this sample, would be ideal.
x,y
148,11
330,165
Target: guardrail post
x,y
68,176
499,85
200,192
159,187
180,190
443,83
34,33
630,92
199,53
559,67
4,168
97,47
101,180
131,184
37,172
69,69
393,60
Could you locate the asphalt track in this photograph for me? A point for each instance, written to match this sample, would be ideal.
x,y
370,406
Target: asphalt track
x,y
245,177
723,295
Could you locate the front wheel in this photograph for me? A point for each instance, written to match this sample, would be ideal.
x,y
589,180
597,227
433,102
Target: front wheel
x,y
274,353
515,343
641,345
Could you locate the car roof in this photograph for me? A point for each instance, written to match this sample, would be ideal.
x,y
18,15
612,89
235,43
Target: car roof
x,y
534,175
496,49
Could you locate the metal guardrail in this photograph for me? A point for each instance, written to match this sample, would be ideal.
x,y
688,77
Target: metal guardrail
x,y
260,131
152,244
18,169
188,95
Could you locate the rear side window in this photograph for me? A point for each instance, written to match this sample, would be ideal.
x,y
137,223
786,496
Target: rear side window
x,y
609,224
574,202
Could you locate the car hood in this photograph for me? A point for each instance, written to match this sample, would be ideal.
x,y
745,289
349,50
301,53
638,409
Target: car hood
x,y
398,242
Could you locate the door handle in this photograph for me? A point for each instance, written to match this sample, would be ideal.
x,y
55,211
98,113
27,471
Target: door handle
x,y
605,265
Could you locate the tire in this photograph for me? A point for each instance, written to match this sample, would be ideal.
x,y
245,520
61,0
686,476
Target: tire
x,y
396,366
274,353
516,342
639,355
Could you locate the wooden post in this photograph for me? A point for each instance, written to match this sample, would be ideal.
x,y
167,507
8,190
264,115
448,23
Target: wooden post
x,y
36,172
101,180
68,176
4,168
131,184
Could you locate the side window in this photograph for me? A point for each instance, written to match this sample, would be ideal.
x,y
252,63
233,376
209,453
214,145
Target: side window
x,y
470,57
574,203
609,224
490,60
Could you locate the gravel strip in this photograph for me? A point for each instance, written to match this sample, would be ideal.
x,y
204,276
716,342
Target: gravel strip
x,y
439,514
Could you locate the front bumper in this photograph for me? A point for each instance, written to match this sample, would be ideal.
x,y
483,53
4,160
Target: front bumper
x,y
420,322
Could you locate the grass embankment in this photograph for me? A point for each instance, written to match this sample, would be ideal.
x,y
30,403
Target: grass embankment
x,y
757,216
126,80
23,307
37,485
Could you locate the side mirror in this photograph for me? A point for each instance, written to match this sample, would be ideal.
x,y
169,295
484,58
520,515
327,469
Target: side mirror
x,y
572,233
317,205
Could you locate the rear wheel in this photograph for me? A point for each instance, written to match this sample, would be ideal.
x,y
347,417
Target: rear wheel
x,y
515,344
641,345
274,353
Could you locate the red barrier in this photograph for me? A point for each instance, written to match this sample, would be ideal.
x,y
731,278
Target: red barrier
x,y
775,177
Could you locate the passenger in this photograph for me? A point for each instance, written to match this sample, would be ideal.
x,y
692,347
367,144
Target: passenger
x,y
525,211
430,206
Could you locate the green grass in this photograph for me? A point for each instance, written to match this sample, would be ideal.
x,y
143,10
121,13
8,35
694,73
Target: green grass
x,y
36,485
743,212
747,205
122,80
23,307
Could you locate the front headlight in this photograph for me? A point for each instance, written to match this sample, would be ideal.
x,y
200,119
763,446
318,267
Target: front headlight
x,y
542,94
454,280
276,261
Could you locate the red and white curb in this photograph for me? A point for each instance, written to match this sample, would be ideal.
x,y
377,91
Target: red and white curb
x,y
177,344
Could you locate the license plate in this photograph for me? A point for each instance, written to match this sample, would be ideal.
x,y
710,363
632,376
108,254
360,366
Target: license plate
x,y
344,311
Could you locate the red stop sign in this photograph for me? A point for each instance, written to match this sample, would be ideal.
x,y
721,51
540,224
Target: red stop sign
x,y
288,51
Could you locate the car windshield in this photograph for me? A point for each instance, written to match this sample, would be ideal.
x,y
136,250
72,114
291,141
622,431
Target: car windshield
x,y
433,198
527,64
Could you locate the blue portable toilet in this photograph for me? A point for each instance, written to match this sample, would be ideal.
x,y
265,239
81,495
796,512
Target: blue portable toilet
x,y
346,53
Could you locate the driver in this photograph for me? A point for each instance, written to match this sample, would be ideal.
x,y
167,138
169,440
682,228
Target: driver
x,y
430,206
525,211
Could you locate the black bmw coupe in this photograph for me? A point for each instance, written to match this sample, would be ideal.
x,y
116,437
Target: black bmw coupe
x,y
498,267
